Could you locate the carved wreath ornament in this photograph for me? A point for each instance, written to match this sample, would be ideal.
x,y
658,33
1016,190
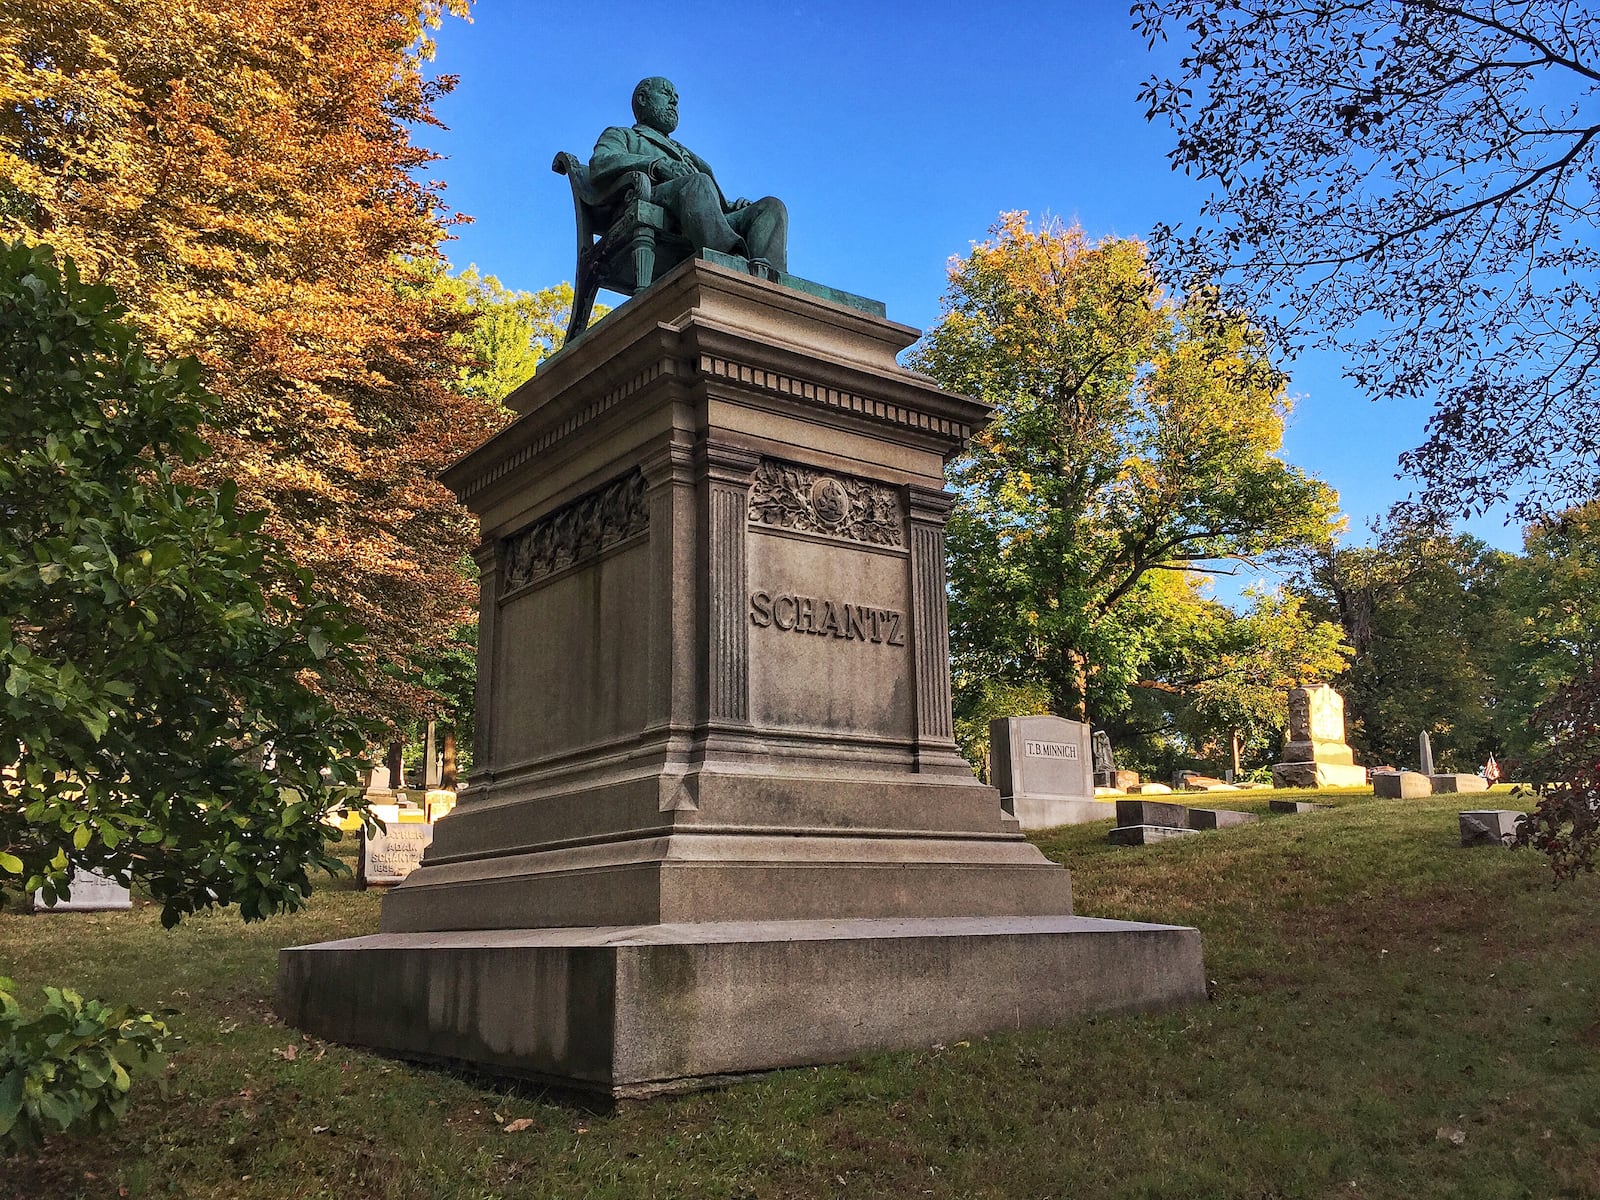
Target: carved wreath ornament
x,y
798,498
577,531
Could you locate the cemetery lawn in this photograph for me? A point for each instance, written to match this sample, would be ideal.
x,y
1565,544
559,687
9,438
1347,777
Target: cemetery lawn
x,y
1393,1016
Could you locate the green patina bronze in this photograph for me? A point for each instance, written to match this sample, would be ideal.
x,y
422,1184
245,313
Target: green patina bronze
x,y
646,202
682,183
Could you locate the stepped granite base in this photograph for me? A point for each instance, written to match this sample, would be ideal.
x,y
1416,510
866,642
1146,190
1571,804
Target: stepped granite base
x,y
634,1011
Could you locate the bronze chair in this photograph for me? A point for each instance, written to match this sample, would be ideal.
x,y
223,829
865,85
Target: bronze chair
x,y
624,241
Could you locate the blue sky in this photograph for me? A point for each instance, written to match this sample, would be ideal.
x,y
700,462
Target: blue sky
x,y
895,133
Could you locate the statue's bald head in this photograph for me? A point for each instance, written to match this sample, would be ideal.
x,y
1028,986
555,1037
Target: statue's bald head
x,y
655,103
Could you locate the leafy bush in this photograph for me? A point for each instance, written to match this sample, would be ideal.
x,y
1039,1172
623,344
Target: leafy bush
x,y
157,650
72,1065
1565,824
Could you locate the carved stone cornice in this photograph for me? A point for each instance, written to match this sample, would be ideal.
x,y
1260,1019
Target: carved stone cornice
x,y
807,500
576,532
472,484
930,504
822,395
723,463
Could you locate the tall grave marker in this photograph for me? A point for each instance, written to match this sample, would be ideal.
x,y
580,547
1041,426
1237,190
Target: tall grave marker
x,y
1315,753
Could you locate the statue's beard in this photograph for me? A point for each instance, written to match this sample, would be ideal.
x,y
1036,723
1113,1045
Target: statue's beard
x,y
659,120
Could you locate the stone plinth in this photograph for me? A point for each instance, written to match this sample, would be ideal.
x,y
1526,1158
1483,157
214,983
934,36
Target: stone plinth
x,y
645,1009
713,710
1043,769
1146,835
1489,827
1295,806
1458,783
1315,754
1218,818
1401,785
1152,812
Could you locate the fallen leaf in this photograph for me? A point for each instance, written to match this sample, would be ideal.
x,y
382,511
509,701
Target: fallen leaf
x,y
1456,1137
519,1125
288,1053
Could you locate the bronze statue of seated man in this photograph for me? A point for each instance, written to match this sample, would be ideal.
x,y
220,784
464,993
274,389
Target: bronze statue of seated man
x,y
682,183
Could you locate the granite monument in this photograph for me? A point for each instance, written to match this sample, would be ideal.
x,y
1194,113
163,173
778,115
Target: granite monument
x,y
1044,770
717,820
1315,753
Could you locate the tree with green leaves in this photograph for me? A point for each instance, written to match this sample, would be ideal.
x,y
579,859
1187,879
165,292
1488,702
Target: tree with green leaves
x,y
1424,611
1134,435
1216,692
1549,639
510,332
159,719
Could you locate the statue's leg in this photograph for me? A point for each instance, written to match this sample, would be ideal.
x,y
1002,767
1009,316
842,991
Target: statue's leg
x,y
765,226
697,207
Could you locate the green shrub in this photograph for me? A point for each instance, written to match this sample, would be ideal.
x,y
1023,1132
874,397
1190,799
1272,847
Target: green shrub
x,y
71,1066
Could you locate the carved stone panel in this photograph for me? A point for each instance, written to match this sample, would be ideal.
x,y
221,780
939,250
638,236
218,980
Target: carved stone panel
x,y
576,531
788,496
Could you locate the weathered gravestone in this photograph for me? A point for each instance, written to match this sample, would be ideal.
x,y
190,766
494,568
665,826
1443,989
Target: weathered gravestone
x,y
1490,827
1218,818
1152,812
1146,835
1043,769
1140,822
1401,785
1107,774
1296,806
718,821
389,855
1315,754
1425,753
90,892
1445,784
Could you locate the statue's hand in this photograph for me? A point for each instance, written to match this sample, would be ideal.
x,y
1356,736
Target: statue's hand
x,y
664,169
741,202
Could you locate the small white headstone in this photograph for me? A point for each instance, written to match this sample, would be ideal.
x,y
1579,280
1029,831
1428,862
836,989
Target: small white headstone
x,y
91,892
388,857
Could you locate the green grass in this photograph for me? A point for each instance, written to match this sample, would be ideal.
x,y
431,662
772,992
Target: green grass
x,y
1393,1016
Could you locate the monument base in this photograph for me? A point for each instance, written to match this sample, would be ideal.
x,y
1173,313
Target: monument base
x,y
1046,812
635,1011
1317,775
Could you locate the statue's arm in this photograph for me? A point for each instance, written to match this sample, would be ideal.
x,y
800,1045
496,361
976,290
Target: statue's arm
x,y
619,152
704,168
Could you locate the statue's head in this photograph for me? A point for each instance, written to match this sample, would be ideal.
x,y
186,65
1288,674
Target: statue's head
x,y
655,103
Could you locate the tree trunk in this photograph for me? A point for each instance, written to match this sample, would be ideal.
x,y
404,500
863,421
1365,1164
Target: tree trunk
x,y
1073,703
447,777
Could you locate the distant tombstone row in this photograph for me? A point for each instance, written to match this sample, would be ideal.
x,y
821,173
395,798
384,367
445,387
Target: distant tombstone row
x,y
1413,785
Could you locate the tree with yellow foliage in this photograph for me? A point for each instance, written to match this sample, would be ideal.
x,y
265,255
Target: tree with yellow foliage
x,y
1133,435
243,173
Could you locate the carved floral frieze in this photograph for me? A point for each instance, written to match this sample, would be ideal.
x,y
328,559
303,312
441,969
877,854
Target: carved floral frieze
x,y
789,496
576,531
